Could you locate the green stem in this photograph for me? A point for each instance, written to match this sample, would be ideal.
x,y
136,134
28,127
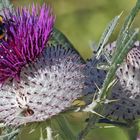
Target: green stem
x,y
91,122
132,132
120,54
123,45
64,125
128,22
121,50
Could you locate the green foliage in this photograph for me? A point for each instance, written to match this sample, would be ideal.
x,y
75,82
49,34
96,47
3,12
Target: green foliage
x,y
106,35
125,42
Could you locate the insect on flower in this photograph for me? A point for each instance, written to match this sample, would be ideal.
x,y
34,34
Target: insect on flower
x,y
26,38
27,112
2,28
39,80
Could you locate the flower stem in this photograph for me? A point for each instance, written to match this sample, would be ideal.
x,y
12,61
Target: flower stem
x,y
132,132
64,125
91,122
124,43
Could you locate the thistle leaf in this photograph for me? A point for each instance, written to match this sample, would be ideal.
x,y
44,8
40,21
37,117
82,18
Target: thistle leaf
x,y
127,90
106,34
59,38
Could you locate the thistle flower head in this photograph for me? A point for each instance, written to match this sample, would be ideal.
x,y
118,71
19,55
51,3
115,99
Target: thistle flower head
x,y
47,87
94,75
127,90
27,33
125,95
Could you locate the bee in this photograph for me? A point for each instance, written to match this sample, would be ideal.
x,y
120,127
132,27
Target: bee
x,y
27,112
2,28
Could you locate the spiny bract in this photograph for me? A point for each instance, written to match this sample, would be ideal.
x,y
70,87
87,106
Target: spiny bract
x,y
47,87
38,80
127,90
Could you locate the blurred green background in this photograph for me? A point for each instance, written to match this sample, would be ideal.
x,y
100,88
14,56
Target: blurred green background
x,y
83,21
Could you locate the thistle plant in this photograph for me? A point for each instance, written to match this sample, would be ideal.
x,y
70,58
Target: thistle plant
x,y
41,74
127,89
38,80
115,68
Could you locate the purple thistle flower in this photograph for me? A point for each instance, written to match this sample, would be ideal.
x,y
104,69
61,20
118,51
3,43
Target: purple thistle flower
x,y
40,81
47,87
27,34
